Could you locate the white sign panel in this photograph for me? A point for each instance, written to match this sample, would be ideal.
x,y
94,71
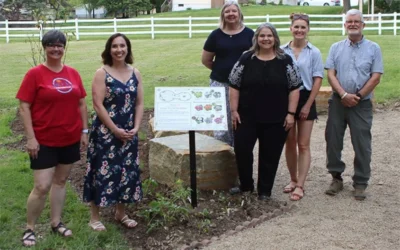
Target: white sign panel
x,y
190,108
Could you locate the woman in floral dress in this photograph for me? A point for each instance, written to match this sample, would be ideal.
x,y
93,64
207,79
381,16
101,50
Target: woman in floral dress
x,y
113,175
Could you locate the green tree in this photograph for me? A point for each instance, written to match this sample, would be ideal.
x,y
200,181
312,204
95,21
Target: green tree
x,y
11,9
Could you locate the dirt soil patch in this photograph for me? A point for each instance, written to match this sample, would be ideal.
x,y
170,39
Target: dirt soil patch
x,y
217,213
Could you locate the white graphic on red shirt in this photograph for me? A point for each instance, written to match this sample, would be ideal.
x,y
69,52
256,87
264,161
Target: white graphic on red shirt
x,y
62,85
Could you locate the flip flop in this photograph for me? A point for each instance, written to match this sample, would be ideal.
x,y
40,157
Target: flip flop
x,y
295,196
97,226
127,222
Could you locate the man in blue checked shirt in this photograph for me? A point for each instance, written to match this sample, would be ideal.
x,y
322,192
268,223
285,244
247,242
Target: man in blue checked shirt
x,y
354,68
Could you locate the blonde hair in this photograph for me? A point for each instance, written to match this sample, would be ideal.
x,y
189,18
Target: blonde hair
x,y
227,4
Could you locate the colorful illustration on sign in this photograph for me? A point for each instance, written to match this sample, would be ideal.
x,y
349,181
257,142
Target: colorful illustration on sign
x,y
207,107
218,120
217,107
198,119
197,94
217,94
209,93
209,119
199,107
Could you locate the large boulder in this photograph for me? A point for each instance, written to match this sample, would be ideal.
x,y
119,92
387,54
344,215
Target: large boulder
x,y
215,160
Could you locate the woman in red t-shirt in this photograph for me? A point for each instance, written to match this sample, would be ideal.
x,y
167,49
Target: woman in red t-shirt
x,y
54,113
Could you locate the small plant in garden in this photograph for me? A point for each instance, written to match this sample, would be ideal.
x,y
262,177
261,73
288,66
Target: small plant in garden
x,y
149,187
166,210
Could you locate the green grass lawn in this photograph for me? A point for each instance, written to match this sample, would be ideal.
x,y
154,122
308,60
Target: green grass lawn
x,y
16,183
170,62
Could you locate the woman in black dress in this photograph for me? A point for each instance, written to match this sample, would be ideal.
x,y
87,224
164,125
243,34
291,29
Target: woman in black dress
x,y
264,92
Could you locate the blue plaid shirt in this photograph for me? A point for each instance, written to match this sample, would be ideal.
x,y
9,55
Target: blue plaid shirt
x,y
354,63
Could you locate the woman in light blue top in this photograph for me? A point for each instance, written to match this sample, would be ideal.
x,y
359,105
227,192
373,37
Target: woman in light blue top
x,y
309,60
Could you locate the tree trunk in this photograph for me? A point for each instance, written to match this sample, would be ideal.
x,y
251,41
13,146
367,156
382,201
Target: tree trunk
x,y
346,5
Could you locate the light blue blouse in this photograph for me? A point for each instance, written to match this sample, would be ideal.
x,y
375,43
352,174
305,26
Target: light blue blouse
x,y
309,61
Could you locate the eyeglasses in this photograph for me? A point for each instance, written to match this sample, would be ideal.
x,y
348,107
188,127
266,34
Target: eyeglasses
x,y
300,16
353,22
55,45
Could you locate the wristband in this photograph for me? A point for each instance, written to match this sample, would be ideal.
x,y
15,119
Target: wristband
x,y
344,95
85,131
291,113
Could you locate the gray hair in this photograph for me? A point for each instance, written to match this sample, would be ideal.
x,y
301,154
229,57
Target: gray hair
x,y
354,12
228,3
280,54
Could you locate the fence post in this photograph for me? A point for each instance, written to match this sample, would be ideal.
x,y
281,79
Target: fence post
x,y
76,29
7,35
343,21
190,27
152,27
115,25
380,23
40,29
395,24
267,18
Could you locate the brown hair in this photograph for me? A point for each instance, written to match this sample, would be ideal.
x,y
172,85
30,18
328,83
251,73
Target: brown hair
x,y
300,16
106,55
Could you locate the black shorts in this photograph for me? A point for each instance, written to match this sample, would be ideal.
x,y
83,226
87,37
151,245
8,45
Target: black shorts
x,y
49,157
304,95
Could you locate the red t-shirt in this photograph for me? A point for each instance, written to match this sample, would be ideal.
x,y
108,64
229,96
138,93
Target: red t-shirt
x,y
54,99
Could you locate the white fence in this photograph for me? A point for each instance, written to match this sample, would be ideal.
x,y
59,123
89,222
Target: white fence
x,y
152,26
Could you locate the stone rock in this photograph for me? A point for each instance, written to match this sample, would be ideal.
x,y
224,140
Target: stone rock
x,y
215,162
239,228
277,212
322,99
205,242
246,223
158,134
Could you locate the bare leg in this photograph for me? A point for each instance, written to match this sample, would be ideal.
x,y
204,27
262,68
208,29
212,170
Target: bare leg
x,y
291,158
94,212
37,197
57,194
304,162
95,223
122,217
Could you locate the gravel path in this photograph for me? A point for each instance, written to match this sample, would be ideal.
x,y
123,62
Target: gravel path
x,y
323,222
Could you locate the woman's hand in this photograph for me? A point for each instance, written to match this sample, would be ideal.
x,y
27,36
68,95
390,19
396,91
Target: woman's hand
x,y
84,141
32,146
235,119
132,133
305,110
289,122
122,134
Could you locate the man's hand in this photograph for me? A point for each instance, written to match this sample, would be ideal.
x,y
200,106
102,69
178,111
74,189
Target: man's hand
x,y
350,100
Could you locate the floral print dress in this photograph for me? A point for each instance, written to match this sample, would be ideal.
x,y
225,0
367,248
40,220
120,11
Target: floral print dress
x,y
113,174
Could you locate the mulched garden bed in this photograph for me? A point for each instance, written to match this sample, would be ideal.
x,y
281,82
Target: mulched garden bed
x,y
218,214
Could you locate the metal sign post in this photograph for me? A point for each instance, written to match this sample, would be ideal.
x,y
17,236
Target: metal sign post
x,y
193,177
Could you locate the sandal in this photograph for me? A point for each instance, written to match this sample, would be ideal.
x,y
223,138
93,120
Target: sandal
x,y
295,196
289,188
128,223
28,235
64,229
97,226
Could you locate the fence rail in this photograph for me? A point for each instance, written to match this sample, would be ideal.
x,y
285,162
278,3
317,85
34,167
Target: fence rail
x,y
183,25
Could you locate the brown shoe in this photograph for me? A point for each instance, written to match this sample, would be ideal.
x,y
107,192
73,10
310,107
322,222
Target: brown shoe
x,y
359,193
335,187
